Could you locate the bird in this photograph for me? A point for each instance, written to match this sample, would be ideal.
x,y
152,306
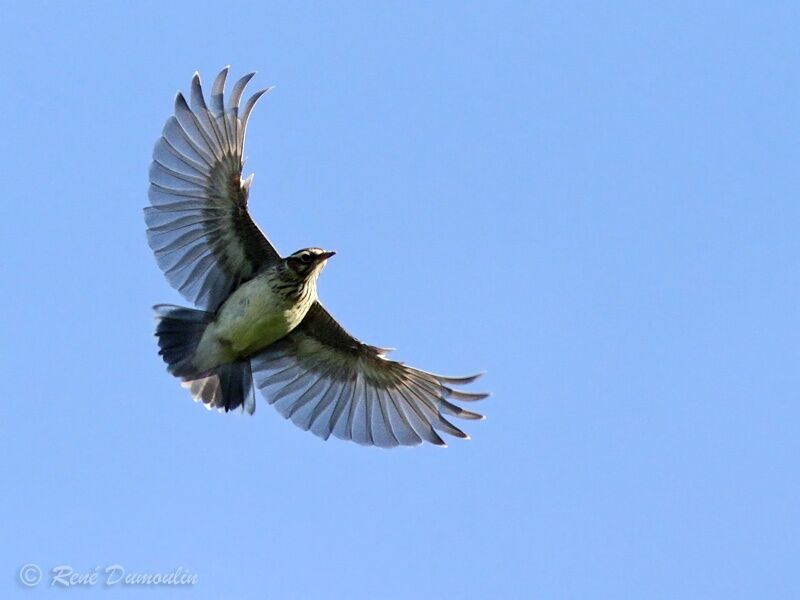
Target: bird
x,y
258,322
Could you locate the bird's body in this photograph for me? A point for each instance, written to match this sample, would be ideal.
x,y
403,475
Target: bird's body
x,y
259,322
259,312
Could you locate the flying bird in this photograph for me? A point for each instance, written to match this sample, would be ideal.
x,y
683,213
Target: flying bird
x,y
258,321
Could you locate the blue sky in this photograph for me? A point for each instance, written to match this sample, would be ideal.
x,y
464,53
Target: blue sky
x,y
597,204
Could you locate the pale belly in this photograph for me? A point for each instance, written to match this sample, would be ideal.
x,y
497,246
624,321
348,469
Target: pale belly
x,y
251,319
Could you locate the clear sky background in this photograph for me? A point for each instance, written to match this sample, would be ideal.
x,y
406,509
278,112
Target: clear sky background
x,y
597,204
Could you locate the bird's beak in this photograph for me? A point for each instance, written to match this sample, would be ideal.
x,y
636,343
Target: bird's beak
x,y
326,255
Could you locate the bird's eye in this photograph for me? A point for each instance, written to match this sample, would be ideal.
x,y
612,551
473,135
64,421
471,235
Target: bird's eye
x,y
305,259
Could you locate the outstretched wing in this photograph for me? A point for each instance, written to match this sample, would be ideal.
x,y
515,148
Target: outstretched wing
x,y
326,381
197,222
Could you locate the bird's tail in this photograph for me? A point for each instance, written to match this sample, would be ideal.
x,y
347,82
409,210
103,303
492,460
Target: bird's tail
x,y
179,331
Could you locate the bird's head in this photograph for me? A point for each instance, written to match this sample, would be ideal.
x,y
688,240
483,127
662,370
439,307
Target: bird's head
x,y
308,262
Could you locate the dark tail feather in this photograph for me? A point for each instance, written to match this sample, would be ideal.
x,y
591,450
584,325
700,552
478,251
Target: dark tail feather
x,y
228,386
179,331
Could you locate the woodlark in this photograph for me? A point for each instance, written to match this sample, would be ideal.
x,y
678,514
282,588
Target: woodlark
x,y
260,320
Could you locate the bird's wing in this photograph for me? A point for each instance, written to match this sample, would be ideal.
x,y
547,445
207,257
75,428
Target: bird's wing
x,y
327,381
197,222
